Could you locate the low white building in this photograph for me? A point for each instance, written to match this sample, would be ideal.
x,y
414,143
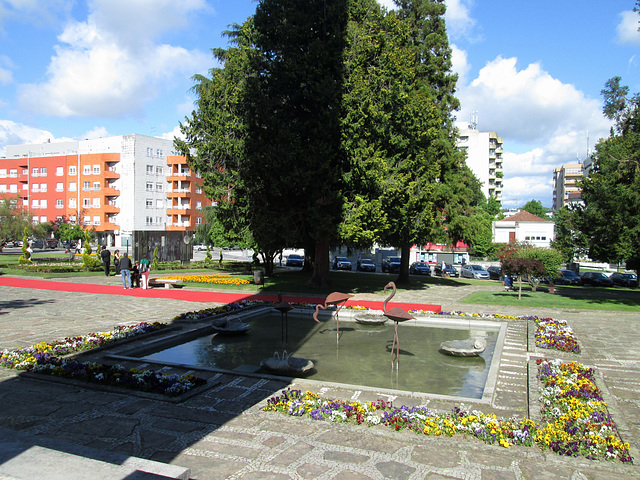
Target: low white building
x,y
524,227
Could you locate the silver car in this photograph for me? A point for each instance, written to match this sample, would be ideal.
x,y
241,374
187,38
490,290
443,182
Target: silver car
x,y
474,271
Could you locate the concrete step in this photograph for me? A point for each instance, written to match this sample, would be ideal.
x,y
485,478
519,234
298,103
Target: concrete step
x,y
28,457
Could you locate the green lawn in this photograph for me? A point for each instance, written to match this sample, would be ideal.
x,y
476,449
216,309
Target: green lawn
x,y
575,297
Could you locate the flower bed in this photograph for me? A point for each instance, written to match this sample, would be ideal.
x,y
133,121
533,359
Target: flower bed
x,y
46,358
215,279
575,418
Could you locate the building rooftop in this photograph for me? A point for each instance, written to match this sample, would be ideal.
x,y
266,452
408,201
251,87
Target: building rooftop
x,y
524,216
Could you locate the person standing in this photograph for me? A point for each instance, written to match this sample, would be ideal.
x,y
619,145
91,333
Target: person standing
x,y
116,261
125,271
145,268
105,256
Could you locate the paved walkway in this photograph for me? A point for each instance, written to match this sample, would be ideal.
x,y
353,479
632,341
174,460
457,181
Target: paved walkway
x,y
222,433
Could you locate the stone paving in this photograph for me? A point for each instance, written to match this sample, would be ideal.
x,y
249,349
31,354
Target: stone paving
x,y
222,432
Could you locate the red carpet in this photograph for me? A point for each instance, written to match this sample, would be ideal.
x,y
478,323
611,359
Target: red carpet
x,y
190,295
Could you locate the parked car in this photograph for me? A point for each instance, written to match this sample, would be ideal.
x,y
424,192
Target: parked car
x,y
624,279
37,244
365,265
420,268
341,263
597,279
52,243
495,272
447,271
391,264
200,248
567,277
474,271
294,260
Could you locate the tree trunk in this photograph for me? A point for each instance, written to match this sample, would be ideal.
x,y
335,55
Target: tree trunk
x,y
403,276
320,277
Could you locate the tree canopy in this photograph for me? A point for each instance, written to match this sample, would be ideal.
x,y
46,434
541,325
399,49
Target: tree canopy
x,y
536,208
610,217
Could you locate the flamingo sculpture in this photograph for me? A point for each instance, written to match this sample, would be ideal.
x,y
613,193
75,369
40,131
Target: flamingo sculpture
x,y
337,299
284,308
397,315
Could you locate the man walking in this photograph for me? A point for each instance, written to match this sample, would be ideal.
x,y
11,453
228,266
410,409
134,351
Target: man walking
x,y
125,271
105,255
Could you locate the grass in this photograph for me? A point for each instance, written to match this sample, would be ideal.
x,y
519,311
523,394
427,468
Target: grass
x,y
627,300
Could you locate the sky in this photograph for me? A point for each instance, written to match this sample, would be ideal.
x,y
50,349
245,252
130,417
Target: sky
x,y
533,72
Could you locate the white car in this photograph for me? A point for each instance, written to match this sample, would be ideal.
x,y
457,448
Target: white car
x,y
200,248
474,271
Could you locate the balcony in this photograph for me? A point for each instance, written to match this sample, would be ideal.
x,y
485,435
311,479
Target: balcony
x,y
111,192
111,209
177,160
111,173
178,192
179,210
180,175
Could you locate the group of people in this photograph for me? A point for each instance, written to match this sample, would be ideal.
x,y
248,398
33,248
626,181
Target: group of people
x,y
133,274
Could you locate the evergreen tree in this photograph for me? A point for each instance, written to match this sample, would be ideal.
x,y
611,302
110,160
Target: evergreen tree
x,y
536,208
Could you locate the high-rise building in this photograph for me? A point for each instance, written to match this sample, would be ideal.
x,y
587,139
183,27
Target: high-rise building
x,y
115,185
566,188
484,157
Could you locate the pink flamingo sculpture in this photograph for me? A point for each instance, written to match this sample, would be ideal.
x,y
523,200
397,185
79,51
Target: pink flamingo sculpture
x,y
337,299
397,315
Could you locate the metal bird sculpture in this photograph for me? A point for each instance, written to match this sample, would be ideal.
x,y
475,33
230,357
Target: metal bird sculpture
x,y
338,299
397,315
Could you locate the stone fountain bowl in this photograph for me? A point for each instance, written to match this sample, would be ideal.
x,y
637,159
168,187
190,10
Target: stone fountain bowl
x,y
463,348
370,318
287,365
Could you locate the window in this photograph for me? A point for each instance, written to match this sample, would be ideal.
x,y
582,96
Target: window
x,y
96,219
13,188
159,203
35,172
96,203
198,205
59,171
43,172
34,220
43,203
3,173
96,169
25,187
59,187
13,173
3,188
72,219
35,187
86,170
43,187
59,203
72,170
86,202
149,169
149,187
72,186
149,220
158,221
159,171
159,187
199,190
198,220
86,220
72,203
86,186
35,203
149,203
96,186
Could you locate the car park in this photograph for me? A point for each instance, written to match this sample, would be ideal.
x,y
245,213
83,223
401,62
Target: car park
x,y
37,244
365,265
495,272
341,263
624,279
294,260
447,271
391,264
596,279
567,277
474,271
420,268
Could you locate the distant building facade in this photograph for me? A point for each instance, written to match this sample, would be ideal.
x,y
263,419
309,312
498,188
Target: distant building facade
x,y
114,186
484,157
566,188
524,227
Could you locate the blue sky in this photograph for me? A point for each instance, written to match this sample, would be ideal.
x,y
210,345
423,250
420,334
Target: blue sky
x,y
75,69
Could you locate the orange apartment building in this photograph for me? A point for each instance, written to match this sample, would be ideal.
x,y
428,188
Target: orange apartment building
x,y
114,186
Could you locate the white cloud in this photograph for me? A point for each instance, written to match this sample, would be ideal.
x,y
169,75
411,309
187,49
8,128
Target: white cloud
x,y
460,63
173,134
627,29
109,65
96,132
458,18
544,123
388,4
12,133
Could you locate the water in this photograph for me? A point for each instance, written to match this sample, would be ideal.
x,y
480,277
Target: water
x,y
361,357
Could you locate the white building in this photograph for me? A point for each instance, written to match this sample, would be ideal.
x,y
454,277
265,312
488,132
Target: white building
x,y
566,189
524,227
484,157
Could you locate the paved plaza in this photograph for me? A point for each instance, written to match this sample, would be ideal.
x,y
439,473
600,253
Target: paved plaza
x,y
222,432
